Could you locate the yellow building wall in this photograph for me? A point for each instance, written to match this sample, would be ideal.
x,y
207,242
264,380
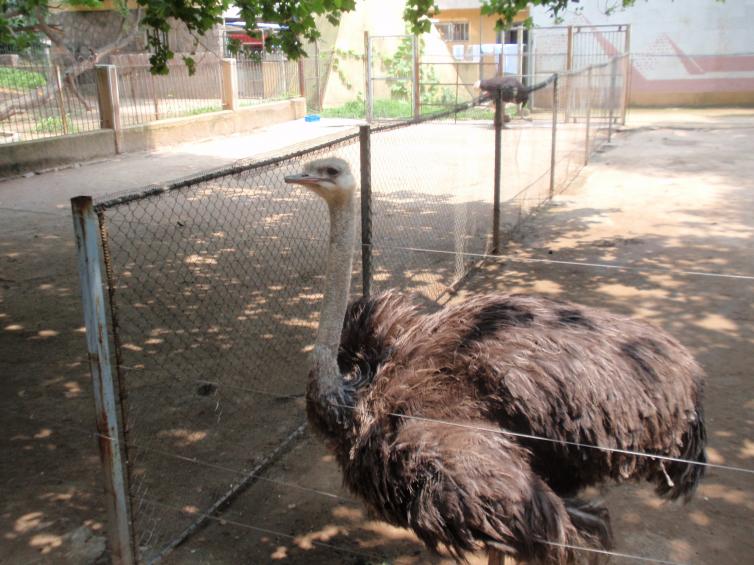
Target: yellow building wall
x,y
481,28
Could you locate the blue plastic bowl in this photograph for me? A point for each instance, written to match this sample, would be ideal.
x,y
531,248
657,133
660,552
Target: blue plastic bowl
x,y
311,118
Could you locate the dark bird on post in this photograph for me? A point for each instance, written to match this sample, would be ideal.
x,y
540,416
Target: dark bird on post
x,y
511,89
418,408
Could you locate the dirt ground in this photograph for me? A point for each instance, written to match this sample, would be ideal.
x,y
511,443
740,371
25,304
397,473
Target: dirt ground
x,y
669,198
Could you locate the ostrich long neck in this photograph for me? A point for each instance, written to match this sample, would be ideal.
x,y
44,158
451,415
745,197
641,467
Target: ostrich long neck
x,y
335,301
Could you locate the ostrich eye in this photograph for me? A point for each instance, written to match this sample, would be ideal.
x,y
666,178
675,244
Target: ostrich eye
x,y
332,171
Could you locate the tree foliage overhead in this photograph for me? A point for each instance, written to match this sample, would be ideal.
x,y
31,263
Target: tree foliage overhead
x,y
22,22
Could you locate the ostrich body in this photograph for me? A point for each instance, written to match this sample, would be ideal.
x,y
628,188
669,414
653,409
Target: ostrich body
x,y
416,406
512,90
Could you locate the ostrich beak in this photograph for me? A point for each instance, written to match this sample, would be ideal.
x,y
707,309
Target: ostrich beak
x,y
304,179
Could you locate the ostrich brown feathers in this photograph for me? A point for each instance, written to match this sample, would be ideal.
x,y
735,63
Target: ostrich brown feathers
x,y
511,88
527,364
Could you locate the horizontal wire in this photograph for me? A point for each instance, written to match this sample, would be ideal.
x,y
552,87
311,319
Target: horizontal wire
x,y
255,476
612,553
569,263
338,497
268,531
339,548
519,434
329,495
503,431
196,461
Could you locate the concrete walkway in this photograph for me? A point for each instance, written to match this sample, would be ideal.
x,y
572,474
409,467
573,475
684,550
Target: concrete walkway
x,y
51,191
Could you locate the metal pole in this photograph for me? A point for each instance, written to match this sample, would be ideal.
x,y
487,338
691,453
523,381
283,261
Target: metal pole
x,y
301,79
368,77
627,73
365,157
316,75
284,72
554,134
588,113
105,388
59,96
520,51
416,79
612,98
569,68
499,105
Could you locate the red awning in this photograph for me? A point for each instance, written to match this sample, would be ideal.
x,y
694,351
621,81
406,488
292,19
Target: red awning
x,y
246,39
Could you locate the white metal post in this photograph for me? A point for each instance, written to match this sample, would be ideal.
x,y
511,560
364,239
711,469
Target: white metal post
x,y
104,386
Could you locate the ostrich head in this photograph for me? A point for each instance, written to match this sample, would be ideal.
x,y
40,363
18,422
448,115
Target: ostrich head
x,y
329,178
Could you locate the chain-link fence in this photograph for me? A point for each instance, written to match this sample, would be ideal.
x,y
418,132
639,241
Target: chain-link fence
x,y
215,282
145,97
40,100
272,77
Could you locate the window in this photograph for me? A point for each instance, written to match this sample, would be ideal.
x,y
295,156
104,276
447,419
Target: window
x,y
454,31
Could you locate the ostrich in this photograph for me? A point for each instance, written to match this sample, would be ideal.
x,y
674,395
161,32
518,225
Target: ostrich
x,y
512,91
416,406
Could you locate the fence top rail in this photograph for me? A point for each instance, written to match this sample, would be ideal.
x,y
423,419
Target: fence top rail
x,y
578,27
593,67
243,166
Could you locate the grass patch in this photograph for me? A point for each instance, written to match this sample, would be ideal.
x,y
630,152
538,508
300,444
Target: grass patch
x,y
18,78
54,124
204,110
396,109
353,109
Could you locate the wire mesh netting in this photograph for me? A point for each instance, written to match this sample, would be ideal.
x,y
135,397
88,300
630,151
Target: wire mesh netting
x,y
40,100
562,48
145,97
419,205
215,282
271,78
216,288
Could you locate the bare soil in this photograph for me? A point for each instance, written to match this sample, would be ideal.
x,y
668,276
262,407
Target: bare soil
x,y
668,200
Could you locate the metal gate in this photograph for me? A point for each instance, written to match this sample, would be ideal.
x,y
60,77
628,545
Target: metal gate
x,y
391,81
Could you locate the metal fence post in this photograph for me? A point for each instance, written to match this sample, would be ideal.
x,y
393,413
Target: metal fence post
x,y
104,385
108,100
316,76
417,79
499,106
229,84
301,79
569,68
554,133
59,97
612,98
627,73
365,157
587,152
367,78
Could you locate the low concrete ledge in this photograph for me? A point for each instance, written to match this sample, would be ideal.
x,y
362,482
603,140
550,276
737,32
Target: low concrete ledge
x,y
41,154
216,124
